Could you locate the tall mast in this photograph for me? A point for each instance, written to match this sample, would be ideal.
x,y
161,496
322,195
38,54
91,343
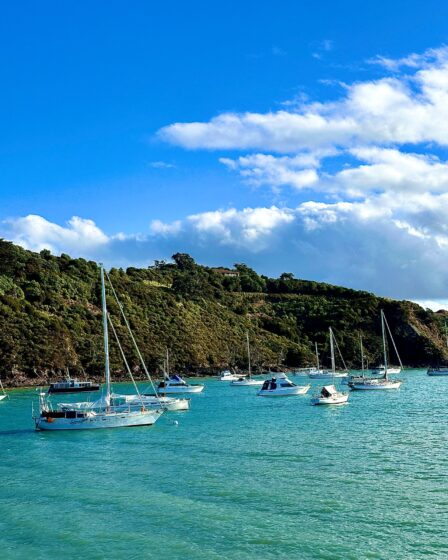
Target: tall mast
x,y
362,354
167,363
106,332
248,352
317,358
333,363
384,343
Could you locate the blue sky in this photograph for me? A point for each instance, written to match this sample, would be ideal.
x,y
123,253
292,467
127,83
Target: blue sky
x,y
91,93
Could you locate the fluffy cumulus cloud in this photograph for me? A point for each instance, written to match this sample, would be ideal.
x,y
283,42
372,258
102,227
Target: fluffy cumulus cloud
x,y
36,233
407,108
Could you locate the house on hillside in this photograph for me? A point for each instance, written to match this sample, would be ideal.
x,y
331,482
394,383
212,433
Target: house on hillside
x,y
226,271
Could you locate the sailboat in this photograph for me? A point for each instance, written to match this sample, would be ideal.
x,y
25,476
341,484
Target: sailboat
x,y
365,383
329,395
3,394
439,371
248,381
102,413
320,373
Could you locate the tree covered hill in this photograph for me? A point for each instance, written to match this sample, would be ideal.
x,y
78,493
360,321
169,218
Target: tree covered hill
x,y
50,318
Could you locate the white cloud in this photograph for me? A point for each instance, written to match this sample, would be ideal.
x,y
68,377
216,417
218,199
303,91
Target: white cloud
x,y
251,228
158,227
161,165
414,60
435,305
404,109
322,47
36,233
261,169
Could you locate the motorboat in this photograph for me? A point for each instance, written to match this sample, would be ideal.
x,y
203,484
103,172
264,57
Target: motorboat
x,y
176,385
247,381
105,416
436,371
229,376
73,386
329,395
280,386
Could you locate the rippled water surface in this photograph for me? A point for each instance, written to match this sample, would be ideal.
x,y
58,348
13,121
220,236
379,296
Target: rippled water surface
x,y
240,477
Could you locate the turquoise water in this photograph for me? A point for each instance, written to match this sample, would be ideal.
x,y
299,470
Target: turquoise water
x,y
239,477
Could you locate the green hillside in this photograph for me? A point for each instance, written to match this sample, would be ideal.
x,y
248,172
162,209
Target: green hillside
x,y
50,318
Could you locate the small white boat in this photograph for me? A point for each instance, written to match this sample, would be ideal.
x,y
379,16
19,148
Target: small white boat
x,y
106,416
435,371
176,385
281,386
247,381
329,395
229,376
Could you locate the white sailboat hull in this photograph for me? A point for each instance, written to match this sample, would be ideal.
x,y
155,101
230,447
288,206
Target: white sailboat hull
x,y
374,385
285,391
167,403
327,375
101,420
247,382
180,390
390,371
2,397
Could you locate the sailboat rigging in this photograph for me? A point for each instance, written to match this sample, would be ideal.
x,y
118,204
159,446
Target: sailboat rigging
x,y
102,413
365,383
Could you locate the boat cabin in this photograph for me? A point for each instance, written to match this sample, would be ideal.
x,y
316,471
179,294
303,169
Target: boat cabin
x,y
328,391
276,383
174,381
